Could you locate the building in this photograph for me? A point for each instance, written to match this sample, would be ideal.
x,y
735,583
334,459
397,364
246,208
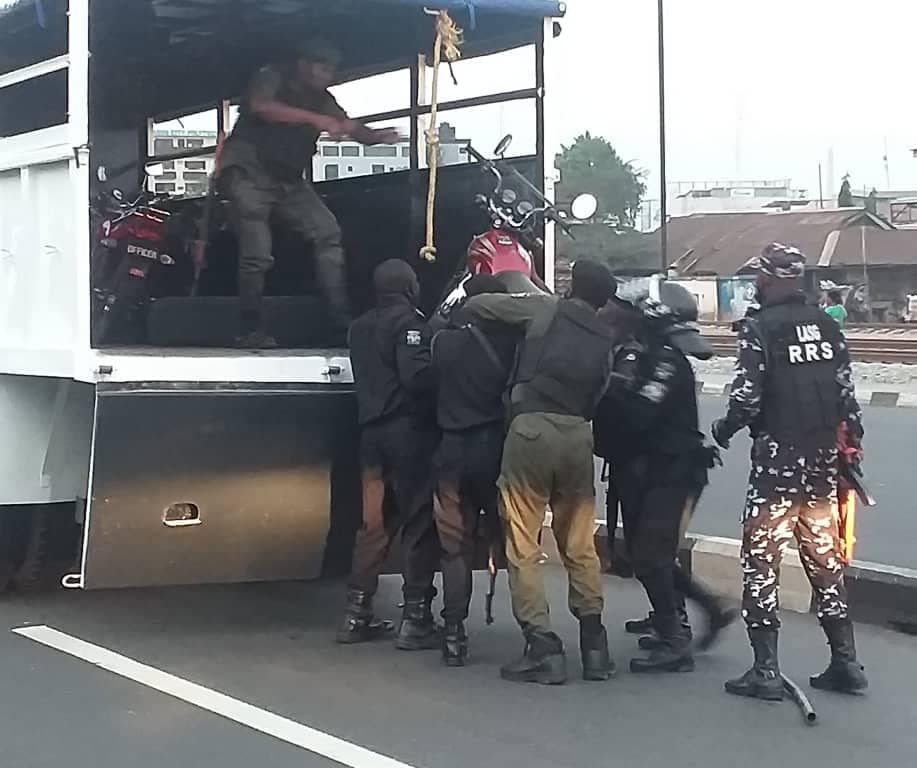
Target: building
x,y
334,159
849,247
187,177
345,159
687,198
898,207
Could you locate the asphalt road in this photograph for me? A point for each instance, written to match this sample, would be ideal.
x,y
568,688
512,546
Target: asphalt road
x,y
271,646
886,533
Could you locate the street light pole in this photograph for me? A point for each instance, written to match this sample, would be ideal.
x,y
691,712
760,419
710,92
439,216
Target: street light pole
x,y
663,208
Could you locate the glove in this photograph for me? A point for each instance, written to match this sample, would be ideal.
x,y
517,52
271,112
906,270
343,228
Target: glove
x,y
721,434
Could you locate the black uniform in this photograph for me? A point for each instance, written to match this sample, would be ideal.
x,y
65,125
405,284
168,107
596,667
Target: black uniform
x,y
647,429
473,364
395,387
793,389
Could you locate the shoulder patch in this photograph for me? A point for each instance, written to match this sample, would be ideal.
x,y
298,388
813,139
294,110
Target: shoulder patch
x,y
413,338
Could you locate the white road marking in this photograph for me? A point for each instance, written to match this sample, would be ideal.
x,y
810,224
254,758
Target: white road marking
x,y
218,703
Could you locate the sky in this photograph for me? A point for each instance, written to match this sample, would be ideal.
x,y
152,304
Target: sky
x,y
755,90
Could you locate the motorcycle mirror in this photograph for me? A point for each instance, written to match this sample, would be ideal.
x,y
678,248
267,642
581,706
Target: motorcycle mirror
x,y
155,169
501,148
102,174
584,207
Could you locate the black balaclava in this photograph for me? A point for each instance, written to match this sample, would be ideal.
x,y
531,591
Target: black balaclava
x,y
393,281
593,283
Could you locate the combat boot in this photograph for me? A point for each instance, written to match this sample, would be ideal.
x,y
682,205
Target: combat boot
x,y
639,626
653,641
593,642
455,645
763,680
673,652
418,630
844,674
359,624
717,613
543,661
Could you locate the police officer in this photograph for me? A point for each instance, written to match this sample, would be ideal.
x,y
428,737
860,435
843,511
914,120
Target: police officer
x,y
287,107
563,367
395,387
473,363
647,426
793,390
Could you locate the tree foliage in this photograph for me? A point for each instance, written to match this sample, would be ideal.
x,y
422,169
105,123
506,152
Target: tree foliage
x,y
591,164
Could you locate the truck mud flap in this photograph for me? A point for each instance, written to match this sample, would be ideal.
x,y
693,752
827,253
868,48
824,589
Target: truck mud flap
x,y
220,484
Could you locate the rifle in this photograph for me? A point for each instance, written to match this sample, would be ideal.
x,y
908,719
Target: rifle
x,y
850,487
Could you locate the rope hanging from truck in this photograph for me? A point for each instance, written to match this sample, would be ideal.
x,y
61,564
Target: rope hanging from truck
x,y
447,45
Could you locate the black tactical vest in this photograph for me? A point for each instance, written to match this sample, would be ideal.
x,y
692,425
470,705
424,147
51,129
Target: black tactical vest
x,y
566,370
801,400
285,150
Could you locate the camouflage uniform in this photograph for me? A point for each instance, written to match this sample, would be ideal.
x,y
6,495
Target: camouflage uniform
x,y
791,493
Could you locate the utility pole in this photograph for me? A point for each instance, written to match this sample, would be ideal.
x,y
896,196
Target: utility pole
x,y
663,208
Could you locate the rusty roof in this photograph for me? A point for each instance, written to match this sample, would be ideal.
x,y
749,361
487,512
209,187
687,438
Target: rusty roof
x,y
882,248
721,243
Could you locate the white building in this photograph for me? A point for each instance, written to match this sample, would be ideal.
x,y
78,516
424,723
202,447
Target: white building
x,y
183,177
333,160
345,159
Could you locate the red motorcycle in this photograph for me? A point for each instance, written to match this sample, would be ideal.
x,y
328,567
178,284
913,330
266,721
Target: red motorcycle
x,y
132,244
508,245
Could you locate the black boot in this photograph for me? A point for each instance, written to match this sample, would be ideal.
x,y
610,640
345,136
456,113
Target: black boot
x,y
418,630
543,661
455,645
653,641
673,654
718,615
844,674
763,680
251,326
593,642
639,626
359,625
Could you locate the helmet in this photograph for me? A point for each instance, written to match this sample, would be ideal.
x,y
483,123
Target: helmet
x,y
675,315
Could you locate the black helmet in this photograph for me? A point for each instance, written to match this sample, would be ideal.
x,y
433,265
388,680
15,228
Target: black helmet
x,y
675,314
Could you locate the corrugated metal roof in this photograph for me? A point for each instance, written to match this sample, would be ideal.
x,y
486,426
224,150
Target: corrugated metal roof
x,y
882,248
722,243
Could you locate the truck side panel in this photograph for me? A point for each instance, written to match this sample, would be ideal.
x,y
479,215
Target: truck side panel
x,y
205,486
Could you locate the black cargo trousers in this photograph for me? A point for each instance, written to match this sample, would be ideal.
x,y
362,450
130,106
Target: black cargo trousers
x,y
655,515
257,200
467,465
397,452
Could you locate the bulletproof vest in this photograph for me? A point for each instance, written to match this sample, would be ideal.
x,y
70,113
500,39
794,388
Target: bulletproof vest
x,y
566,370
285,150
473,367
801,399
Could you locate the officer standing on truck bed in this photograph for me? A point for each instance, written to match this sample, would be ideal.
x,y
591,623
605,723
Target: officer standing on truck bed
x,y
646,427
564,364
473,362
287,108
395,388
793,389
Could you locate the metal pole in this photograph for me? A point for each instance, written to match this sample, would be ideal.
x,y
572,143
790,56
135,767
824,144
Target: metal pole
x,y
663,208
821,189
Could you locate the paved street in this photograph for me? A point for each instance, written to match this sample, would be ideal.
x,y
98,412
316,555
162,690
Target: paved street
x,y
270,646
886,533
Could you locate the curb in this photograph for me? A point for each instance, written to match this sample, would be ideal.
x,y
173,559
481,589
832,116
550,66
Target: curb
x,y
873,398
878,594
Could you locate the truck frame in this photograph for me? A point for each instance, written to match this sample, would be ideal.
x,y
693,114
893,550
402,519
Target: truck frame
x,y
152,466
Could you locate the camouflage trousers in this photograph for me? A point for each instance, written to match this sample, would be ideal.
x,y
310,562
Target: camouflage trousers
x,y
791,496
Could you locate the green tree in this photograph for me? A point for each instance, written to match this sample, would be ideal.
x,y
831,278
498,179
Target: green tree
x,y
845,196
591,164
